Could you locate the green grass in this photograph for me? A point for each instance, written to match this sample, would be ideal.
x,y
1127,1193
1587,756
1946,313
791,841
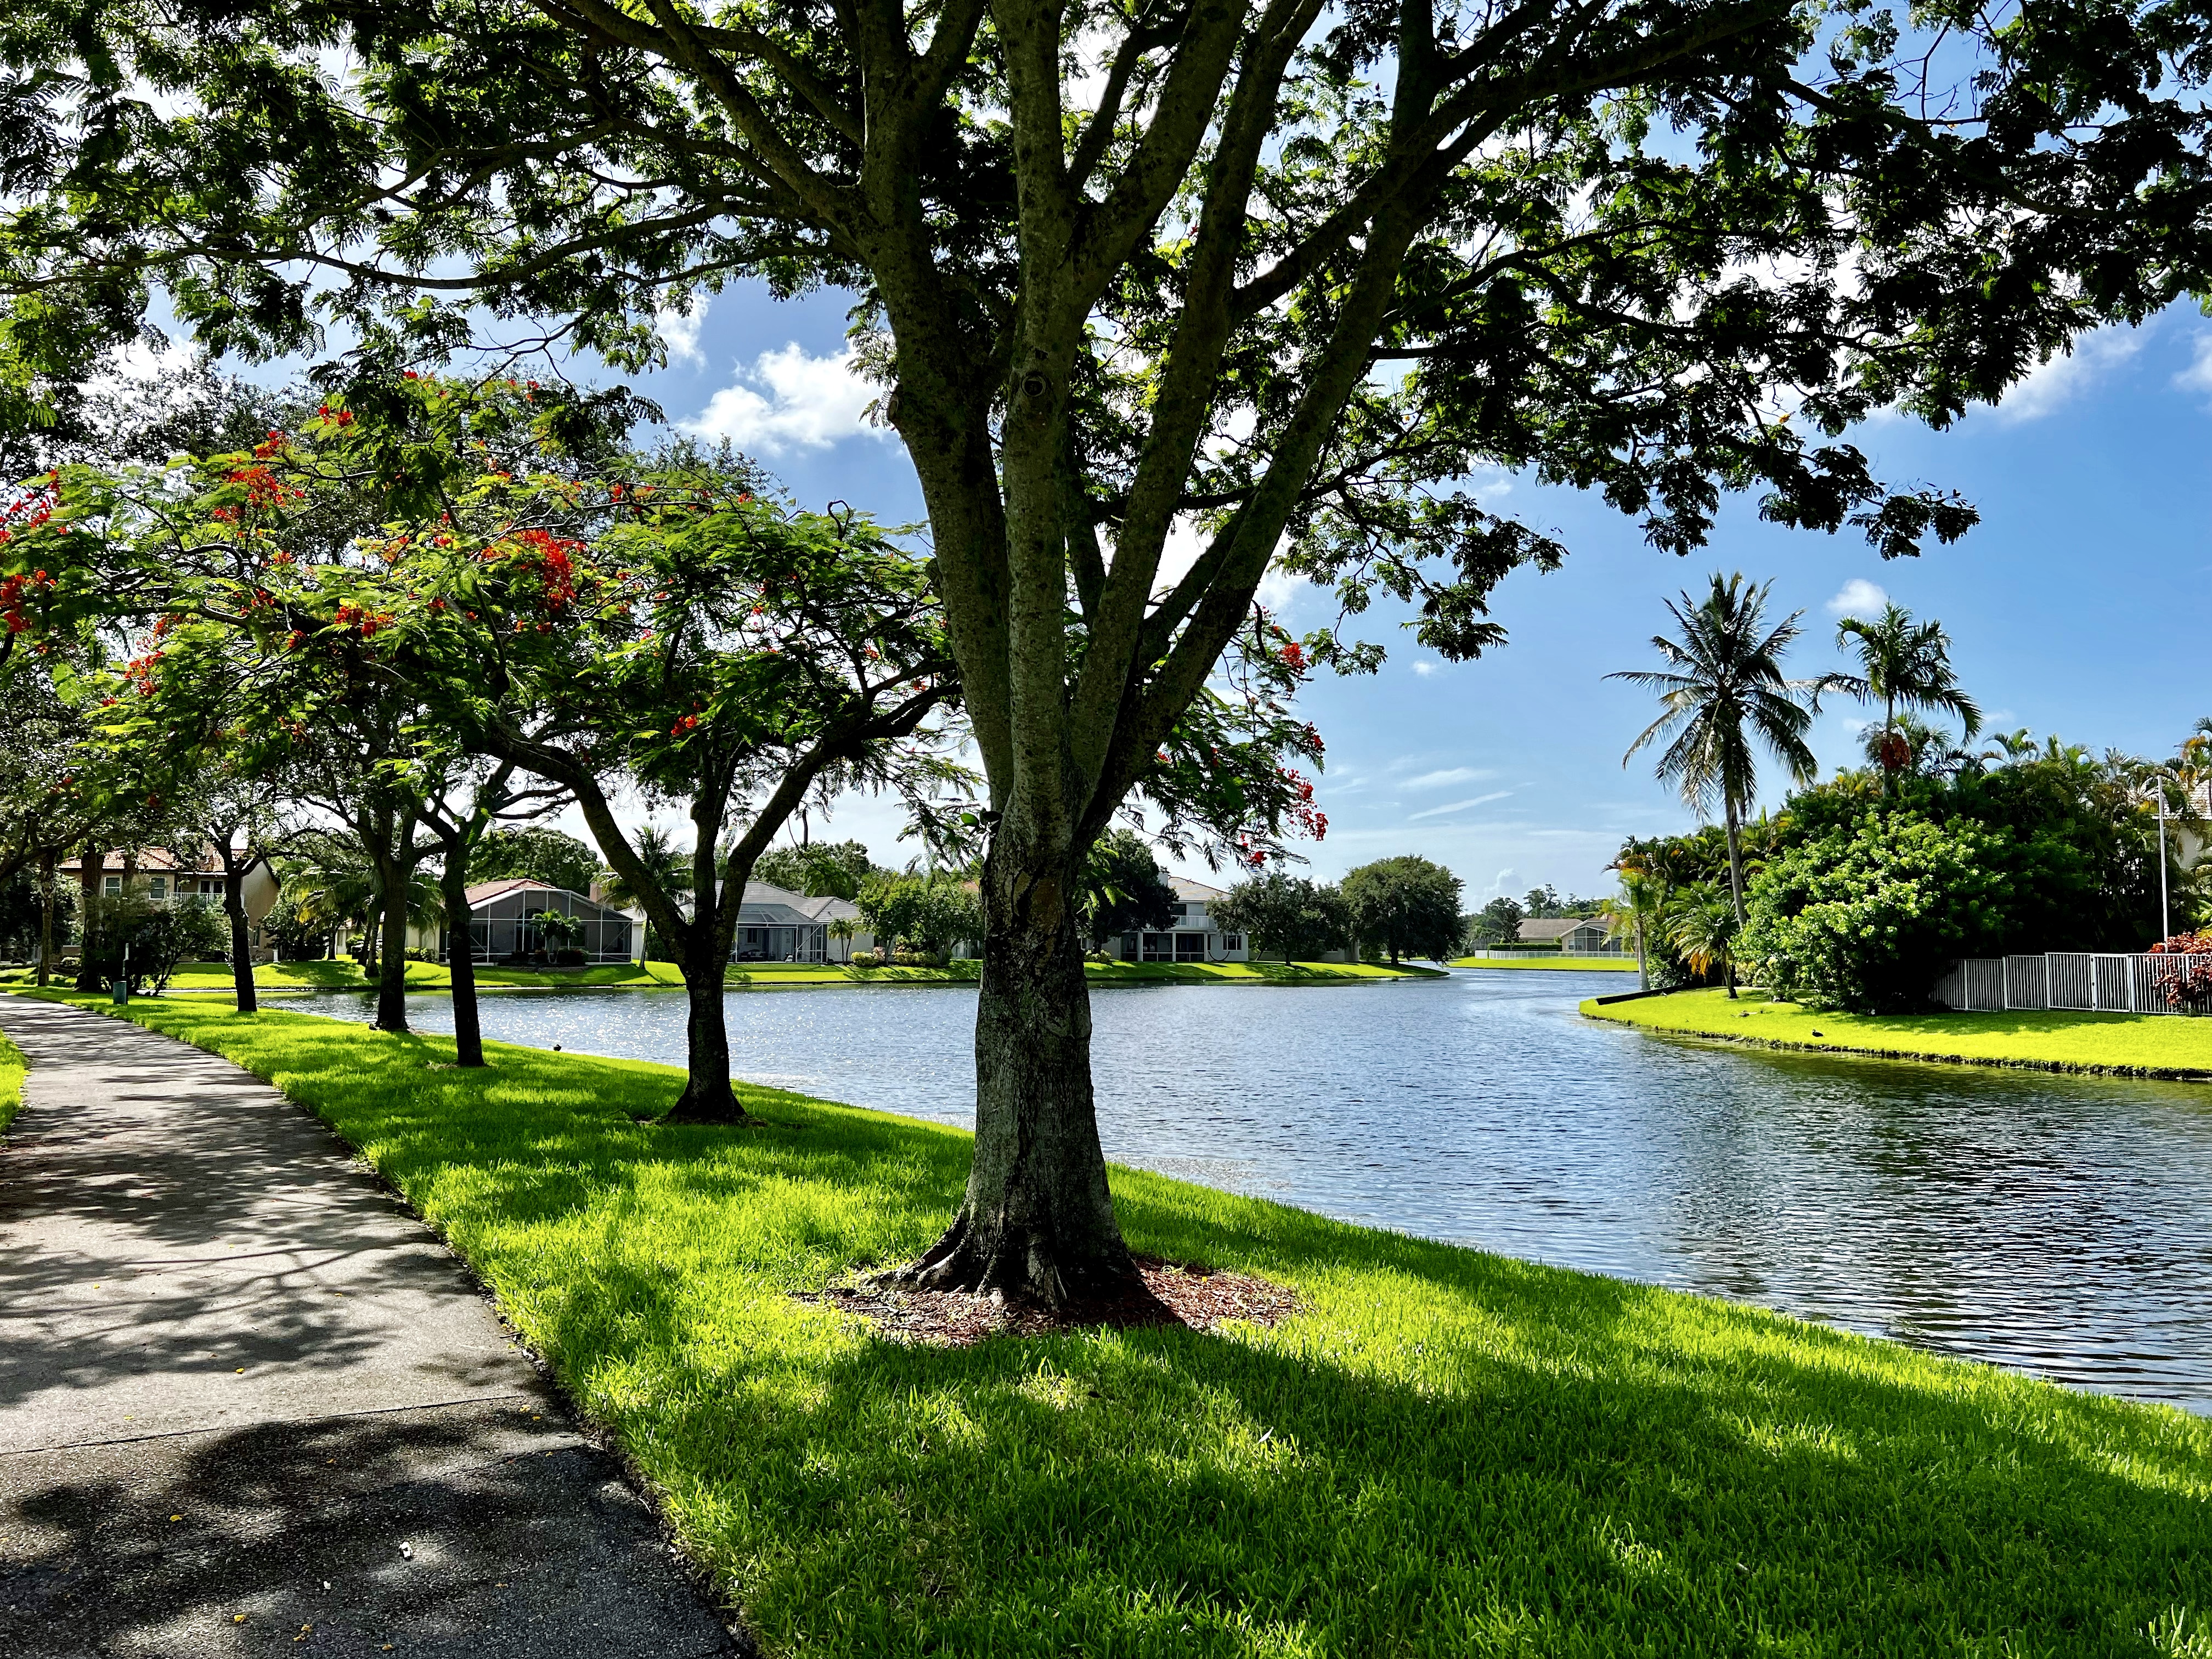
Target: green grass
x,y
1447,1453
1599,964
11,1082
2152,1044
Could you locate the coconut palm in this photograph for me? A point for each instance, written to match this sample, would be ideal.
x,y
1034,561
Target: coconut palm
x,y
333,884
1703,925
1722,695
1633,910
667,861
1903,663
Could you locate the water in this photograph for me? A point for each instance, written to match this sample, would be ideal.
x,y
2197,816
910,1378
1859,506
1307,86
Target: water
x,y
2060,1225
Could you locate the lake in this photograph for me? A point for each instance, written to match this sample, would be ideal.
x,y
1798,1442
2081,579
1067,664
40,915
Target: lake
x,y
2061,1226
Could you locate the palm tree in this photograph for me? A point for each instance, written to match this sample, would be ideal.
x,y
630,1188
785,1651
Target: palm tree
x,y
1903,663
843,928
1723,692
1639,904
667,861
1703,925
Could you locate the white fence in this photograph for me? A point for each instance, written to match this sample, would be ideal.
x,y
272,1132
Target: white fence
x,y
2093,981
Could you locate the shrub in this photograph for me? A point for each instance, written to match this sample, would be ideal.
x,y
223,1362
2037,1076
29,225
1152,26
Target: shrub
x,y
1865,916
867,958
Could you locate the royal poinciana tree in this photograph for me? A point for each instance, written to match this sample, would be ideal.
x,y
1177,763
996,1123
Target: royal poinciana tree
x,y
1280,274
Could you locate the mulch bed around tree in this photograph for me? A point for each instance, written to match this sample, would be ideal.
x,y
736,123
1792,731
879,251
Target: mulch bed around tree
x,y
1163,1293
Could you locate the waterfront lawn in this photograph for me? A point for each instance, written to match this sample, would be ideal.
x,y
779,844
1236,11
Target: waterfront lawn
x,y
1447,1453
11,1082
2155,1043
1580,964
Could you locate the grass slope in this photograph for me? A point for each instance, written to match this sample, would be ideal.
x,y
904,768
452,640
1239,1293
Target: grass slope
x,y
2151,1044
345,975
1448,1453
11,1082
1580,964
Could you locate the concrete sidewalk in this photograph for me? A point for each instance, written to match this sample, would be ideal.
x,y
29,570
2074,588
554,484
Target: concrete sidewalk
x,y
248,1403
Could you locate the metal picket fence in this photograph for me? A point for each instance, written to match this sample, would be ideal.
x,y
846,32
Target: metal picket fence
x,y
2111,982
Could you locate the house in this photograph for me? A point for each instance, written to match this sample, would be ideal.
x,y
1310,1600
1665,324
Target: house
x,y
162,876
1193,937
500,925
1575,936
777,925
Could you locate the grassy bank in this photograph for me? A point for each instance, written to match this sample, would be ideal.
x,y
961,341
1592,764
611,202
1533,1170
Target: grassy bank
x,y
11,1082
1580,964
2160,1045
1447,1453
432,977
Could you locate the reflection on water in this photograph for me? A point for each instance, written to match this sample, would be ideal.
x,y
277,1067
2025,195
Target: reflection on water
x,y
2063,1225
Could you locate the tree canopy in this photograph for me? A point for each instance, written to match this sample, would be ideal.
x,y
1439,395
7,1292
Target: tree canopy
x,y
538,851
1404,907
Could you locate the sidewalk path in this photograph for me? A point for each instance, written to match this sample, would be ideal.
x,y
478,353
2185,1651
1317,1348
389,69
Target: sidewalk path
x,y
245,1397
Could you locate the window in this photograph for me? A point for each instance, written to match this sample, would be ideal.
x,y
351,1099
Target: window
x,y
1178,911
157,887
1159,947
1232,941
1190,947
113,885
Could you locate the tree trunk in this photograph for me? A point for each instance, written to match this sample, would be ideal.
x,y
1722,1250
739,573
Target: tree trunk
x,y
392,955
707,1097
241,953
46,917
461,961
1736,864
91,866
1643,969
1037,1220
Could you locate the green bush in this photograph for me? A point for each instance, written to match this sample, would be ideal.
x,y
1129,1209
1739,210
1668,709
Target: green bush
x,y
1864,916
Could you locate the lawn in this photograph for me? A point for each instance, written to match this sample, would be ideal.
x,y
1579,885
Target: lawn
x,y
1599,964
11,1082
1447,1453
2152,1044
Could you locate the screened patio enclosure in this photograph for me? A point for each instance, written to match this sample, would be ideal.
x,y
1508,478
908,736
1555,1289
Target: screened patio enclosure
x,y
501,927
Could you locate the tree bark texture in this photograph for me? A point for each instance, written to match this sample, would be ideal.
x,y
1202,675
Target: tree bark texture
x,y
707,1097
46,916
1037,1220
241,952
92,865
460,959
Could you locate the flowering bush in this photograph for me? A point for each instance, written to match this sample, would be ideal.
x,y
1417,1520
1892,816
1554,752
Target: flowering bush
x,y
1864,917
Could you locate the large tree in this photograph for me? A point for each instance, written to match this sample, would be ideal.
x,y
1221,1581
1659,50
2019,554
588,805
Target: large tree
x,y
1278,274
1406,906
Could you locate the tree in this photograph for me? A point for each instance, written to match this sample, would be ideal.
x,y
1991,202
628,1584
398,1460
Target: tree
x,y
1124,889
244,822
1287,914
464,812
1907,664
1864,916
1498,922
835,868
1701,921
537,852
1722,695
1236,288
1405,906
928,914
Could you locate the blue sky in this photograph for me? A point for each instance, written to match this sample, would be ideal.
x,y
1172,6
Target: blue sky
x,y
2073,609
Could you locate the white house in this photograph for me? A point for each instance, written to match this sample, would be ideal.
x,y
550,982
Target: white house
x,y
1576,936
777,925
1194,936
156,873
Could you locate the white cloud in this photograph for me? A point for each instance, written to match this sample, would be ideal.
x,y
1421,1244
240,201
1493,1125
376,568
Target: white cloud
x,y
788,400
1458,805
1858,598
2051,384
1424,668
681,332
1456,774
2198,377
